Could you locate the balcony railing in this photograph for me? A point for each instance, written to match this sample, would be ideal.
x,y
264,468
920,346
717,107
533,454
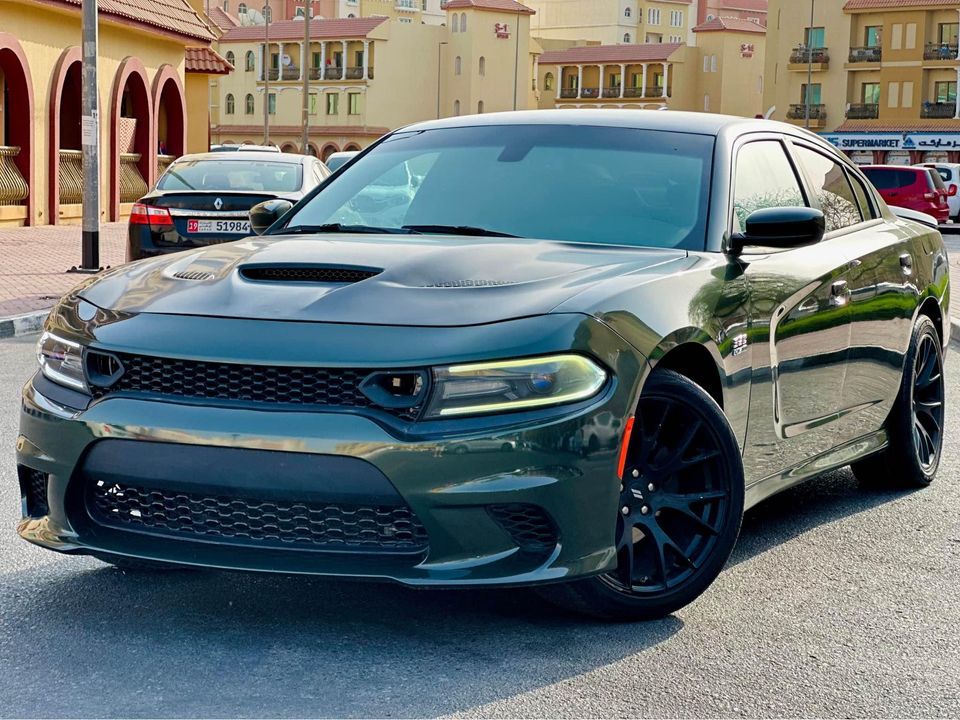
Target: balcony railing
x,y
13,188
940,51
287,73
611,92
590,92
863,111
70,176
132,185
798,112
938,110
333,73
866,54
650,92
569,93
804,55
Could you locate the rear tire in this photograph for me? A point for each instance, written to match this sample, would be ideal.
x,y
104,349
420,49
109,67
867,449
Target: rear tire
x,y
681,503
915,425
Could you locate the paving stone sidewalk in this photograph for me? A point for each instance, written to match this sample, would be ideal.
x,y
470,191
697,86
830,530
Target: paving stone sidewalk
x,y
33,271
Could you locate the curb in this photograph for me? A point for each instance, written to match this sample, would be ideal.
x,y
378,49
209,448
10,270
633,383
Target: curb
x,y
955,333
27,324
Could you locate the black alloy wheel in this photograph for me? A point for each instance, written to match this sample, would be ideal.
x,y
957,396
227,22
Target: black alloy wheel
x,y
680,506
928,397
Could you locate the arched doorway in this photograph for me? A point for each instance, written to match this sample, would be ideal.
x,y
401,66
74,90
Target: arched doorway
x,y
171,114
16,131
65,162
288,147
351,147
328,150
132,157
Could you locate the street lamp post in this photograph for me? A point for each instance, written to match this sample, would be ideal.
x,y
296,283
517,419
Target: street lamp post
x,y
439,69
305,72
90,143
266,73
956,114
806,94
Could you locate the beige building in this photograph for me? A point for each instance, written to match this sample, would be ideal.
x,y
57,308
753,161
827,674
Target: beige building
x,y
722,73
883,75
370,75
612,22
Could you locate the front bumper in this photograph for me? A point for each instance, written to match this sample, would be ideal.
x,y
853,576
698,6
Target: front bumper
x,y
455,482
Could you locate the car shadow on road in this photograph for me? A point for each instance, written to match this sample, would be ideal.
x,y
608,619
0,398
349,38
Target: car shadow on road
x,y
237,644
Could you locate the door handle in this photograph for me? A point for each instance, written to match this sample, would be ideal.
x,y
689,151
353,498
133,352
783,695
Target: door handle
x,y
906,264
839,293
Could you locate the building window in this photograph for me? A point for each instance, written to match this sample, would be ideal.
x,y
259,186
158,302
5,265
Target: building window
x,y
231,104
676,18
353,103
272,104
480,108
815,37
713,63
653,16
316,60
457,65
810,93
483,66
314,103
333,103
455,23
231,58
242,9
948,33
463,22
873,36
706,103
628,12
248,104
456,107
870,93
250,61
945,91
626,37
226,5
676,39
548,81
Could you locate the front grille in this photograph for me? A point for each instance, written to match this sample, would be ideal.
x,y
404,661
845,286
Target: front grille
x,y
528,525
302,386
33,487
256,522
307,273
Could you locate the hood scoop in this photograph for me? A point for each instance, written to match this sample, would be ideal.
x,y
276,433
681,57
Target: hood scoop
x,y
299,273
194,275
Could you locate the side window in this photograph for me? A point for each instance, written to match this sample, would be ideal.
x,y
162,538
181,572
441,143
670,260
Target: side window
x,y
863,197
834,194
764,179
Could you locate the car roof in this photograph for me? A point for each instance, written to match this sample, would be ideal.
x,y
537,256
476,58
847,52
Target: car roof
x,y
343,153
249,155
914,168
669,120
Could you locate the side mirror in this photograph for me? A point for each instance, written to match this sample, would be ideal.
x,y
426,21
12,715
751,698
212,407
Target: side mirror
x,y
952,190
782,227
265,214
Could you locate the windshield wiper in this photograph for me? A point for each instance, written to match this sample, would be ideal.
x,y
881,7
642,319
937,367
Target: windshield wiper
x,y
341,228
458,230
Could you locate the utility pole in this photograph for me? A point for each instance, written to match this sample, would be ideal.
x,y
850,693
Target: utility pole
x,y
516,63
305,72
439,69
266,73
90,142
806,94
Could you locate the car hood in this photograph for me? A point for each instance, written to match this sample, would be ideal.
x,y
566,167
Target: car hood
x,y
419,280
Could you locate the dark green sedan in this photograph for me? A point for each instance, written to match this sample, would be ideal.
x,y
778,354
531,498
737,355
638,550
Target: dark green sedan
x,y
563,349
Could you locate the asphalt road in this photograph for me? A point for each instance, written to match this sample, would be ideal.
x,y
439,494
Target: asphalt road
x,y
838,601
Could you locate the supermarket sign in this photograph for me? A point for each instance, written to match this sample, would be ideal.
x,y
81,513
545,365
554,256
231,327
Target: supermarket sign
x,y
929,142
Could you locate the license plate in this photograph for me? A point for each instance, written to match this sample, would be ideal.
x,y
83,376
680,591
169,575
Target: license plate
x,y
238,227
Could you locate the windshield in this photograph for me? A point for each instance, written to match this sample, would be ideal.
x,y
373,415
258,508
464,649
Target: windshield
x,y
224,175
575,183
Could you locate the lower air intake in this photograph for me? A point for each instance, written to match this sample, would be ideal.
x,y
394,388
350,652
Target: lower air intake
x,y
33,487
528,525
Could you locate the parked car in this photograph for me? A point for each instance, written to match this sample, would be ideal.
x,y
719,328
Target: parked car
x,y
950,174
915,188
244,147
746,308
205,199
338,159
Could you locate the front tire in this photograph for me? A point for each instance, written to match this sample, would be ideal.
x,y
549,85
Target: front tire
x,y
679,511
916,422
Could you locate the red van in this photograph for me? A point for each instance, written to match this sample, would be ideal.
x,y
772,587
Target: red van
x,y
915,188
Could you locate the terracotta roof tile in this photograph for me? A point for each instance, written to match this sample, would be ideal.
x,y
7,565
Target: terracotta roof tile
x,y
175,16
751,5
511,6
293,29
207,61
223,20
719,24
894,4
647,52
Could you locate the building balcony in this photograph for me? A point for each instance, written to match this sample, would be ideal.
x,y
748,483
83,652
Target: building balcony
x,y
287,73
70,175
866,54
938,110
804,58
862,111
13,188
940,51
611,93
796,114
568,93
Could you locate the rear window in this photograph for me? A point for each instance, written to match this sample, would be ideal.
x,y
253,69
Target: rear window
x,y
226,175
890,178
936,179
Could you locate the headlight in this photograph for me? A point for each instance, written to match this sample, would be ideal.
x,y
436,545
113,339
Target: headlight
x,y
61,361
513,385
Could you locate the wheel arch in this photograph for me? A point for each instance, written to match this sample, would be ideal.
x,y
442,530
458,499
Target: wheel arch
x,y
693,355
931,308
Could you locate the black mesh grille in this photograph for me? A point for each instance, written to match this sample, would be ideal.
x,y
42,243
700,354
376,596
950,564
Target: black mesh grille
x,y
321,274
528,525
318,387
252,521
33,486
